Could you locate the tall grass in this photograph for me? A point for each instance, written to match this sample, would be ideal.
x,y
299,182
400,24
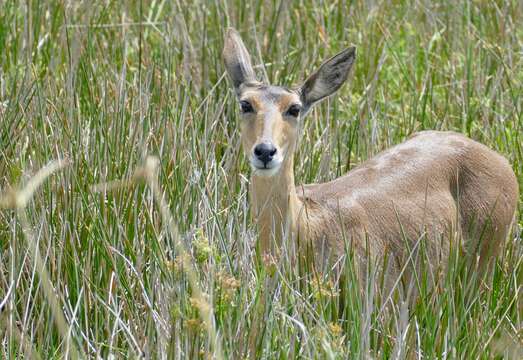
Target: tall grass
x,y
105,84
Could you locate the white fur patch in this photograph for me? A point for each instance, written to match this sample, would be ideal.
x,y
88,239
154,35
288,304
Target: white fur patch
x,y
265,172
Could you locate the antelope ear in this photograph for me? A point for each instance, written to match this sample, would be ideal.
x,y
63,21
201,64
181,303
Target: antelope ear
x,y
328,78
237,60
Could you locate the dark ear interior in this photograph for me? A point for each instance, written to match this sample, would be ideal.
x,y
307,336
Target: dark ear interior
x,y
237,59
328,78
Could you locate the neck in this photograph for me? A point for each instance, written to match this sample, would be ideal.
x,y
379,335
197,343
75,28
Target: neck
x,y
275,206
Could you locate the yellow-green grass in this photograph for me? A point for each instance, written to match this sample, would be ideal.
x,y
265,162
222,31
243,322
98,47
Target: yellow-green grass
x,y
105,84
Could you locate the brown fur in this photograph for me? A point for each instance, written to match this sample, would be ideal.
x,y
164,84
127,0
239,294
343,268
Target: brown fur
x,y
436,183
432,187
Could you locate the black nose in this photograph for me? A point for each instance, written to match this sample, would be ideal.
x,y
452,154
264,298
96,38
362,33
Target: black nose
x,y
264,152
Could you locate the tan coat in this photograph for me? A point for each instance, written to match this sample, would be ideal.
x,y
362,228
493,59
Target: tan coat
x,y
432,189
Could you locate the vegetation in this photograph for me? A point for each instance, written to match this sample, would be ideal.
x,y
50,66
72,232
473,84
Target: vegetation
x,y
91,262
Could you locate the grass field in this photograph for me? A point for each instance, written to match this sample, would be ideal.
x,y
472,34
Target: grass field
x,y
90,264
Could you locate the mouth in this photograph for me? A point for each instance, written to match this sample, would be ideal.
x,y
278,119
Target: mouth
x,y
265,170
264,167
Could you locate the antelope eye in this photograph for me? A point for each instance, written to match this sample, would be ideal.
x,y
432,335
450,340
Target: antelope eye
x,y
246,107
294,110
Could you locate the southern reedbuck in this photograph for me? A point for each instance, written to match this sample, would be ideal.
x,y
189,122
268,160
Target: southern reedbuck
x,y
435,186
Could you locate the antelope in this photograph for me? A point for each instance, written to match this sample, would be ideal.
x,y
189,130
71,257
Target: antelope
x,y
429,187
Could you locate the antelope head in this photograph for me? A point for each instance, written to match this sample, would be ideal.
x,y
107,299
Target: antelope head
x,y
271,115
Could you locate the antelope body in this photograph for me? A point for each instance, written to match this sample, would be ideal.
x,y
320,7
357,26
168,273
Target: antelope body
x,y
433,186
